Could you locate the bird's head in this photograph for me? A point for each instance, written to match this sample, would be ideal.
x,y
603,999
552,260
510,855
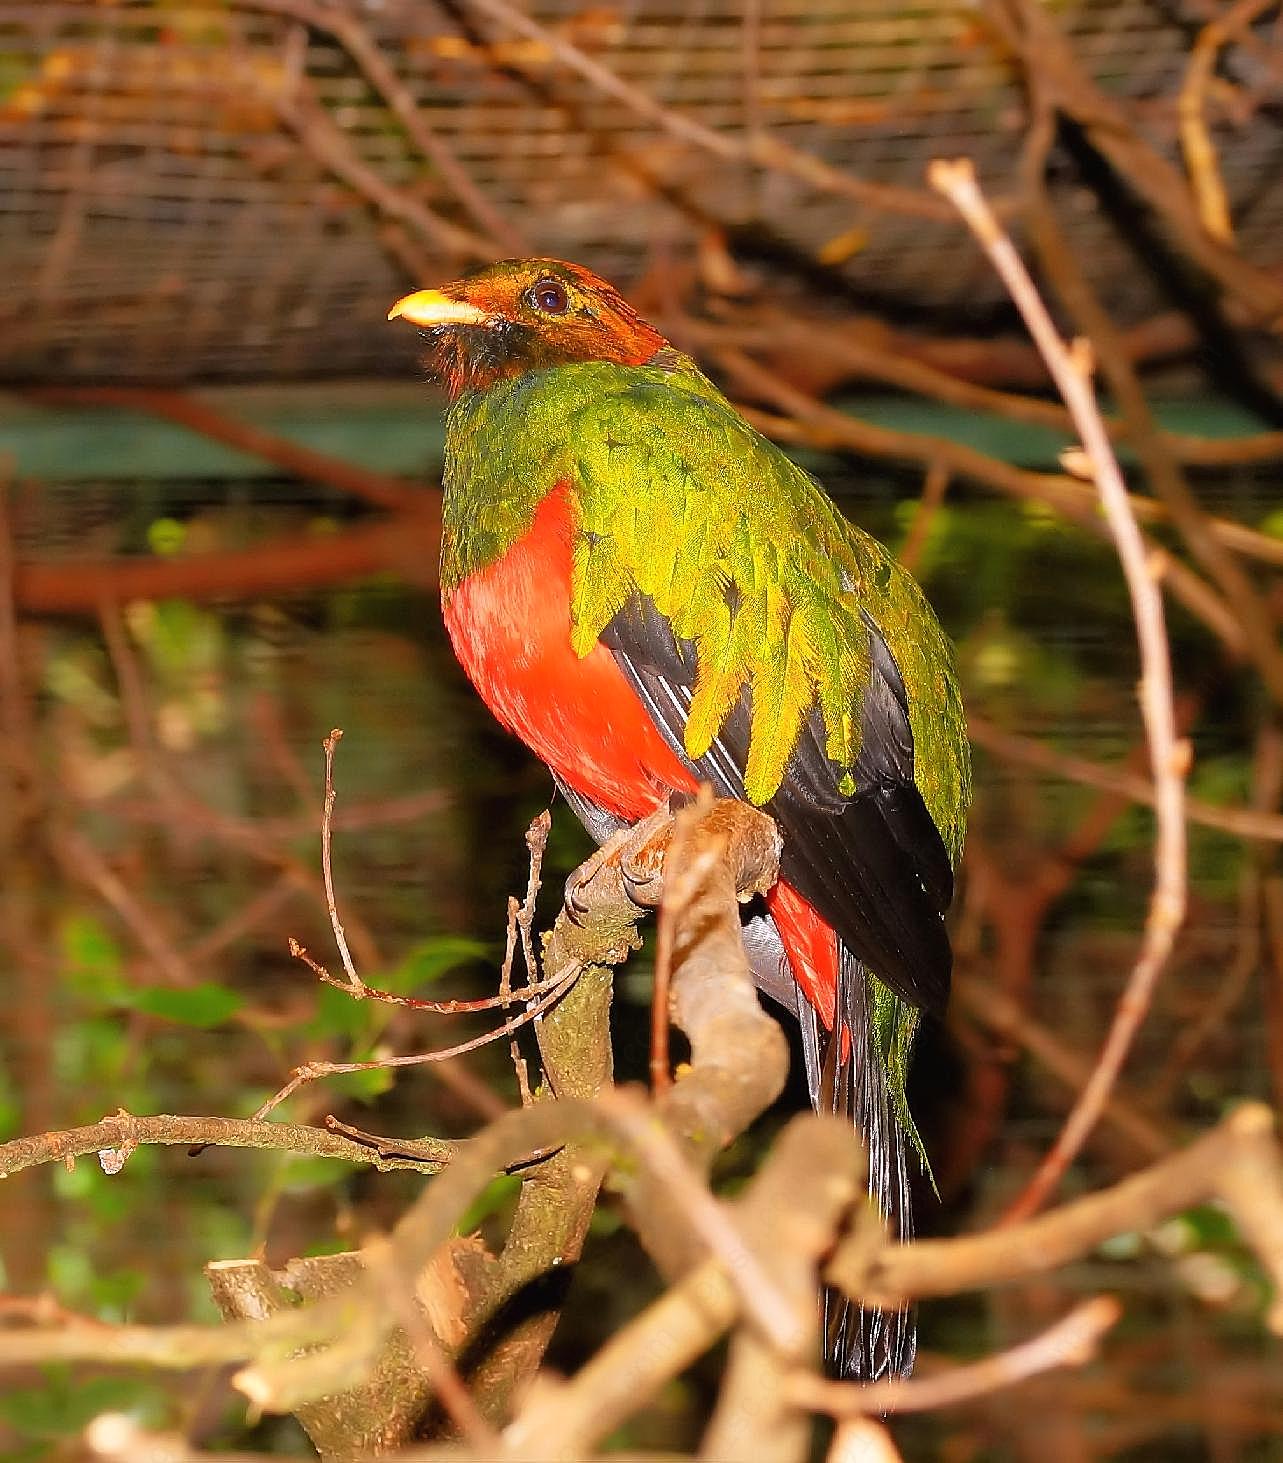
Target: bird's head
x,y
524,315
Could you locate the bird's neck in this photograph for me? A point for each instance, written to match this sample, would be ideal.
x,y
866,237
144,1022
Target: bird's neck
x,y
505,450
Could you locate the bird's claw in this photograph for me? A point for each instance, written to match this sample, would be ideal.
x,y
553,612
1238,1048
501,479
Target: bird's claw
x,y
576,904
637,852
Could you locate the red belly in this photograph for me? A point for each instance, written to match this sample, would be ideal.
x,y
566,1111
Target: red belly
x,y
510,627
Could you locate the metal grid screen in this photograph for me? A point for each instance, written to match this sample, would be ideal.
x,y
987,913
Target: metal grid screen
x,y
176,179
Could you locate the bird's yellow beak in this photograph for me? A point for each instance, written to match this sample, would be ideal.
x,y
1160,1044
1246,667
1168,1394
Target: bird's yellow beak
x,y
431,307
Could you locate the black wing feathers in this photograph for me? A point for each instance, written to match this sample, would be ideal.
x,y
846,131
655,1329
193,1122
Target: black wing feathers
x,y
873,865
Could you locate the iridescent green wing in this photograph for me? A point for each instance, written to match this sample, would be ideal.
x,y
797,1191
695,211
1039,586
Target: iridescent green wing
x,y
744,609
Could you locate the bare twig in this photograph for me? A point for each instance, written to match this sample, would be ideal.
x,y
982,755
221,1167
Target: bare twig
x,y
861,350
346,28
286,563
1071,368
1072,1341
1002,1015
1237,1162
521,920
308,120
819,425
1252,823
311,1071
424,1148
934,486
461,1006
756,147
660,1017
205,420
1033,32
81,861
123,1131
356,985
1196,143
1065,271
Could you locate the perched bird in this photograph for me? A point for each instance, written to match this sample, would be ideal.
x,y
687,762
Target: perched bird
x,y
651,595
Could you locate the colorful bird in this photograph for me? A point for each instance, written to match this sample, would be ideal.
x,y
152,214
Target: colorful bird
x,y
651,595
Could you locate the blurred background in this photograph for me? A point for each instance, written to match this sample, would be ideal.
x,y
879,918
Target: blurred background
x,y
217,468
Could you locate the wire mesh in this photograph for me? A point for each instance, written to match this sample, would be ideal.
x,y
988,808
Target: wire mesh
x,y
171,208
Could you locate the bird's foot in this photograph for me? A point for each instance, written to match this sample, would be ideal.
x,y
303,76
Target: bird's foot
x,y
638,855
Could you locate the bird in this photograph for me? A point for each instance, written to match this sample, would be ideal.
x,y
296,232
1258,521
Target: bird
x,y
653,596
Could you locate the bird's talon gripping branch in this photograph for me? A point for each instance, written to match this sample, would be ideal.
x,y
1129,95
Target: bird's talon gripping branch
x,y
576,905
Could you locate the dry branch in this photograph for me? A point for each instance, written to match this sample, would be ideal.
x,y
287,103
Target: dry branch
x,y
1237,1163
123,1131
1169,758
1072,1341
184,410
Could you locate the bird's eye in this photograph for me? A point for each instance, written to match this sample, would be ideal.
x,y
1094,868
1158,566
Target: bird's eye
x,y
549,295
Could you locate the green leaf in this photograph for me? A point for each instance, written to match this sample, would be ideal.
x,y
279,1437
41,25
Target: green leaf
x,y
302,1174
363,1086
166,537
432,958
92,964
203,1005
338,1014
1272,524
493,1199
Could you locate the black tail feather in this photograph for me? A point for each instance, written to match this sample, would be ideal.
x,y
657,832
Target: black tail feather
x,y
846,1074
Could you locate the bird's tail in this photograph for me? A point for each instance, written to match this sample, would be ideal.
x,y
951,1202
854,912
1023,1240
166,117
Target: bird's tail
x,y
858,1070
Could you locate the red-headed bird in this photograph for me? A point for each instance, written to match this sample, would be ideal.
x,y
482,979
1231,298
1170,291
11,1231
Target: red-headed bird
x,y
651,595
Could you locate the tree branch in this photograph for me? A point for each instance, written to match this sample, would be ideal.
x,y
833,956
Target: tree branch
x,y
123,1132
1169,758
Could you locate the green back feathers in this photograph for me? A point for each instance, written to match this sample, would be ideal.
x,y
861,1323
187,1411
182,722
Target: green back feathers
x,y
744,554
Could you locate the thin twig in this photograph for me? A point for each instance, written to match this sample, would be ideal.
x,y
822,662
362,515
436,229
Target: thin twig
x,y
1169,758
1252,823
768,151
459,1007
832,353
536,845
356,39
426,1149
519,1066
310,1071
521,920
81,861
355,984
1072,1341
284,563
1196,143
817,424
673,899
934,486
306,117
195,415
1039,41
1237,1163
